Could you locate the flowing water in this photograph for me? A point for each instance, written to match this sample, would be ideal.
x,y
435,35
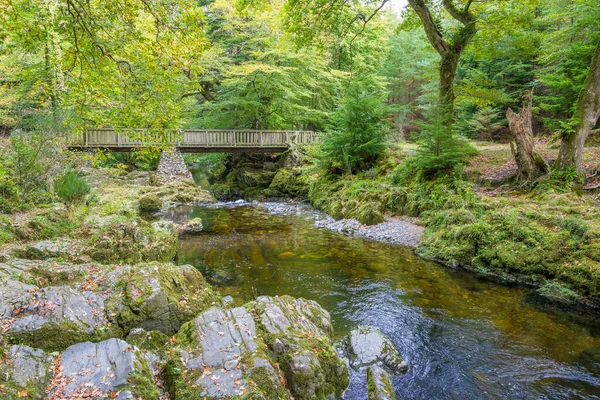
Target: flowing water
x,y
463,337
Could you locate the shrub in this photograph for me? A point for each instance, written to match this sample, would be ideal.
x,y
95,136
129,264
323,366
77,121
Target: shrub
x,y
441,148
70,187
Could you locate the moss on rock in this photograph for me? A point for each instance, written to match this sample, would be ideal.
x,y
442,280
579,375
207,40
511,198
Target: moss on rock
x,y
162,297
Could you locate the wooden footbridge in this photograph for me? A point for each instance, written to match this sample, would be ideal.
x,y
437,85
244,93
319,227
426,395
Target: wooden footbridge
x,y
195,141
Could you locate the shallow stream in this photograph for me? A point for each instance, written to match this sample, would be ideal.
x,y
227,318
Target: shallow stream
x,y
463,337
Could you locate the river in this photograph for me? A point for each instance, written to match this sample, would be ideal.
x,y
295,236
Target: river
x,y
463,337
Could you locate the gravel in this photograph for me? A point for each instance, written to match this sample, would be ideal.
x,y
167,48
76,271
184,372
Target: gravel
x,y
394,230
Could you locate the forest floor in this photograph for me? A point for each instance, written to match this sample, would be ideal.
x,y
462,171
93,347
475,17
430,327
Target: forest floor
x,y
495,162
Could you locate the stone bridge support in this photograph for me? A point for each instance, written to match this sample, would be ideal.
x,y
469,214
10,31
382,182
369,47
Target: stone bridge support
x,y
172,167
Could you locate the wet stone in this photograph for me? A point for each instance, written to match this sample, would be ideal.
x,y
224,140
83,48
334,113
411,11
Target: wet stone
x,y
370,346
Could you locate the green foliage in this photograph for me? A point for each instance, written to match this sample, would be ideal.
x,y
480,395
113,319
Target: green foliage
x,y
485,122
357,136
71,187
441,148
6,230
571,31
28,162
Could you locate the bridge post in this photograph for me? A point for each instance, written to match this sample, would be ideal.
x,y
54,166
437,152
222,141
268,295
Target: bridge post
x,y
172,167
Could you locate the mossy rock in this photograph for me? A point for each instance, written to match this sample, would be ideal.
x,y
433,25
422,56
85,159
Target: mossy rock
x,y
288,182
130,240
162,297
149,203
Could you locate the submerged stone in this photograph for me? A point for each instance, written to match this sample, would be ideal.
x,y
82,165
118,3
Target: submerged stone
x,y
192,226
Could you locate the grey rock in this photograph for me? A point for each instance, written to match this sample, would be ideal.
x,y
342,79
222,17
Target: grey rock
x,y
99,369
305,375
48,249
161,297
29,308
283,313
29,366
369,346
224,337
293,325
227,300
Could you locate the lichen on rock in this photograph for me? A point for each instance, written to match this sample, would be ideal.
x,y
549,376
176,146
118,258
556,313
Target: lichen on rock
x,y
298,332
109,369
161,297
221,356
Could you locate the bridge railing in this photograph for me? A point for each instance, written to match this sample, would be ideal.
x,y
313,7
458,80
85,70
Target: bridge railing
x,y
130,138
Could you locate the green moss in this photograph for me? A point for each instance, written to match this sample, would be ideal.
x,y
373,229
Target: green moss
x,y
130,240
149,203
58,336
140,382
6,230
265,385
185,289
48,223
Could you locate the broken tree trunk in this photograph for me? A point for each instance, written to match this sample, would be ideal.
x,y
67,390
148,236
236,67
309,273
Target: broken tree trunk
x,y
530,165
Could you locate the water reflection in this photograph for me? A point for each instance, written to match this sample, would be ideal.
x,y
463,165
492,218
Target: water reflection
x,y
463,337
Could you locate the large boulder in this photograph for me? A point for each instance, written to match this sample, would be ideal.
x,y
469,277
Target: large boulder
x,y
161,297
53,317
112,369
221,357
298,332
124,239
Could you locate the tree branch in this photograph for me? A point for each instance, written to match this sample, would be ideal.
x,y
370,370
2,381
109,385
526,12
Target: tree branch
x,y
431,29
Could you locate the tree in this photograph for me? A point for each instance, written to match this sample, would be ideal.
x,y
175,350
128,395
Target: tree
x,y
584,120
441,148
357,135
104,63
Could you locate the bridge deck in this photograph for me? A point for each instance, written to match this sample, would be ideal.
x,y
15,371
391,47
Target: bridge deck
x,y
226,141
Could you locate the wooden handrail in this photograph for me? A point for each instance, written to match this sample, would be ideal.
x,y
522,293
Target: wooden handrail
x,y
198,138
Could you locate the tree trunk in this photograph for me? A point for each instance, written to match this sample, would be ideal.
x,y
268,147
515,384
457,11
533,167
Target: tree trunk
x,y
529,164
586,116
447,74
